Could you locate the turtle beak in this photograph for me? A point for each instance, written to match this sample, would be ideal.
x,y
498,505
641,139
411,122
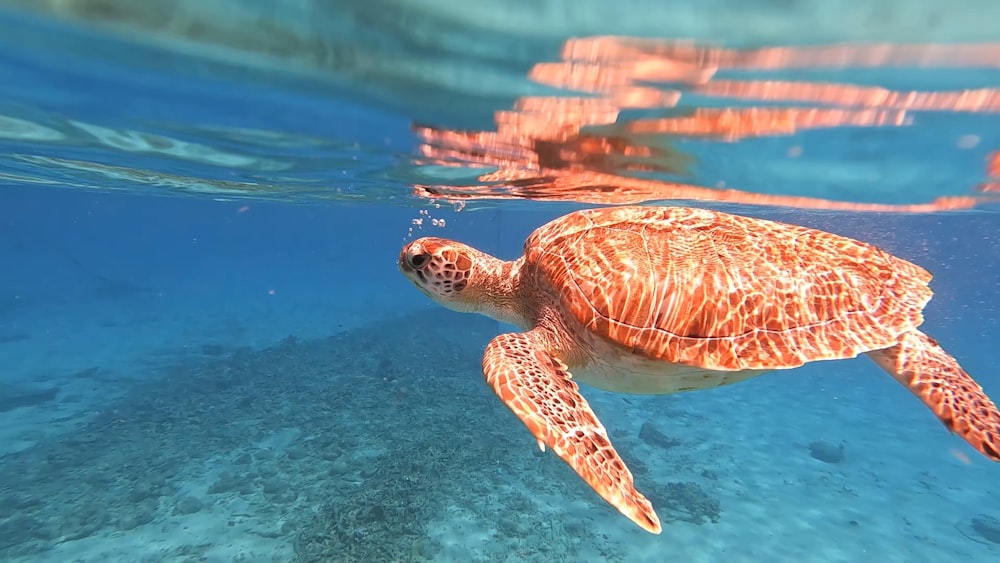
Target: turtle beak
x,y
406,267
403,266
406,263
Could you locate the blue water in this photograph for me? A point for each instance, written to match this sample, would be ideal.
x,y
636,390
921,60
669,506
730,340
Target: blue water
x,y
207,352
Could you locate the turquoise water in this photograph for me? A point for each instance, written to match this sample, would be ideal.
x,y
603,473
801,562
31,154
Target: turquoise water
x,y
207,352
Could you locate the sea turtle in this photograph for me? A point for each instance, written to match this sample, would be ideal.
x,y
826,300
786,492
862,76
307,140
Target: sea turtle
x,y
646,299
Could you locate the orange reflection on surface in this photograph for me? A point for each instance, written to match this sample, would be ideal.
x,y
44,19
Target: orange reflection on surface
x,y
993,172
735,124
979,100
620,190
585,148
610,49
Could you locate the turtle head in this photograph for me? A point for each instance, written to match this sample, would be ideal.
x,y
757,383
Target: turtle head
x,y
441,268
458,276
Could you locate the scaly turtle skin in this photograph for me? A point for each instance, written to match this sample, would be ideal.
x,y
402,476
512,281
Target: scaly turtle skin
x,y
668,299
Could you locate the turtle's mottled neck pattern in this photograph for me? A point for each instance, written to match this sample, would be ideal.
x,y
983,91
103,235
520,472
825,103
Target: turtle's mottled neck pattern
x,y
499,282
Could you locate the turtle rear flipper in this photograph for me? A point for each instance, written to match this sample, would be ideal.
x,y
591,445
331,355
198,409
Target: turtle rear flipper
x,y
936,378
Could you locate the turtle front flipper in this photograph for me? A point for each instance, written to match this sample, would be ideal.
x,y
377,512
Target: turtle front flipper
x,y
538,387
930,373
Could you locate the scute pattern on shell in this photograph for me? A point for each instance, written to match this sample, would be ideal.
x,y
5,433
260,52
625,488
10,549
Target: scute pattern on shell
x,y
724,292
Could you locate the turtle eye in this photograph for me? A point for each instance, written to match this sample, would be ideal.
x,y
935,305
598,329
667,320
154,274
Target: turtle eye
x,y
418,261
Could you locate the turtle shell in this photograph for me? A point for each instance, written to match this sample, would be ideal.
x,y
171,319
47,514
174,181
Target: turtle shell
x,y
723,292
